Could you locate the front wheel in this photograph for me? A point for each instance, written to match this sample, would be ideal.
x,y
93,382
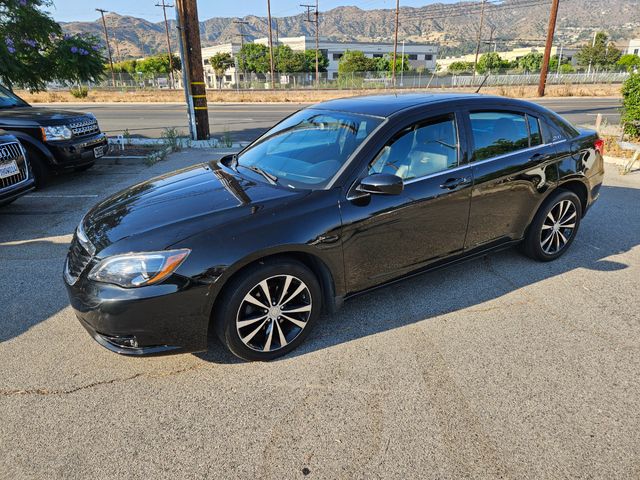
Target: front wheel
x,y
268,310
554,227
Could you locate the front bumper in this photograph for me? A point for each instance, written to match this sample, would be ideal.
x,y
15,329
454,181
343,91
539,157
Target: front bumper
x,y
7,194
172,317
77,151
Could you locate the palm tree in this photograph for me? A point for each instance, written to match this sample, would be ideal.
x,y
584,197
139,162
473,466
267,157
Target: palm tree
x,y
220,63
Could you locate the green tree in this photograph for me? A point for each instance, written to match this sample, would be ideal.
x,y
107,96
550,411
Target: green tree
x,y
254,57
631,104
221,62
460,67
310,61
531,62
126,66
629,62
402,63
158,65
567,68
355,61
490,62
600,54
33,50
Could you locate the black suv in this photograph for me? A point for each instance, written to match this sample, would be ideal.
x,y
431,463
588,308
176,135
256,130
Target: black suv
x,y
15,175
55,140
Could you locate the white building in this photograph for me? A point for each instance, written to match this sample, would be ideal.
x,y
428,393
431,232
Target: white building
x,y
634,46
231,76
568,54
420,55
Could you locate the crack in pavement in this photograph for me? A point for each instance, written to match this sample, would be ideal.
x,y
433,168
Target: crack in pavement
x,y
47,392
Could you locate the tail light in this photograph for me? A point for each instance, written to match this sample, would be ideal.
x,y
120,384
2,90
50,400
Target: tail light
x,y
599,146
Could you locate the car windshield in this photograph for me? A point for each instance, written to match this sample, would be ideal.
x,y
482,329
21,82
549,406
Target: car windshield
x,y
9,100
308,148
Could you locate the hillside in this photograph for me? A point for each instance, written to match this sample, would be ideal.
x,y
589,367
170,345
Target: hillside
x,y
515,23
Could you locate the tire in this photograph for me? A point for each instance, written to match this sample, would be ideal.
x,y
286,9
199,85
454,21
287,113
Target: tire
x,y
255,333
83,168
549,237
39,168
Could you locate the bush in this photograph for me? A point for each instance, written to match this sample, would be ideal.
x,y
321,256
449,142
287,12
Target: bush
x,y
79,92
631,104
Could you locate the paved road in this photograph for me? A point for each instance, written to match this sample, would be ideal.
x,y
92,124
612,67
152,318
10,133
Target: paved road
x,y
501,367
245,122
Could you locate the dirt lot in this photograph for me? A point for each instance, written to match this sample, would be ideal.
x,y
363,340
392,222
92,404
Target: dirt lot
x,y
261,96
501,367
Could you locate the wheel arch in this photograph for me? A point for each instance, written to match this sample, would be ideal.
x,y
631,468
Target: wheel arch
x,y
580,189
30,143
317,265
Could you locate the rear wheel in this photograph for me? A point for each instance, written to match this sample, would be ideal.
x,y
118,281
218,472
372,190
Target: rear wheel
x,y
268,310
554,227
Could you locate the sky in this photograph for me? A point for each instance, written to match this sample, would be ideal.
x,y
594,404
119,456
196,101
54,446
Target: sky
x,y
75,10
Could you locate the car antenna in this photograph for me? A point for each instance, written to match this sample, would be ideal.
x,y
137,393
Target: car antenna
x,y
482,84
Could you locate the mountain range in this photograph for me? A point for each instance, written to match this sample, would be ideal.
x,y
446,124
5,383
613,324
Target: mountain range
x,y
510,23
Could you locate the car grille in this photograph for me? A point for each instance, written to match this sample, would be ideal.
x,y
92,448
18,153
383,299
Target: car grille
x,y
13,152
84,126
77,260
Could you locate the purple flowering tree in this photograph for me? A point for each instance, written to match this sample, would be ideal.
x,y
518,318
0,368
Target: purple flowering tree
x,y
33,50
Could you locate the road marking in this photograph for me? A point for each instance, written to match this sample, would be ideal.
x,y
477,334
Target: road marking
x,y
58,239
60,196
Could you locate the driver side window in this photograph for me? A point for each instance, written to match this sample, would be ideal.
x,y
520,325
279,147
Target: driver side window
x,y
420,150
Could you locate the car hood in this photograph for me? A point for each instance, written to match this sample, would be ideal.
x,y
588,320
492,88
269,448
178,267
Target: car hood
x,y
162,211
38,116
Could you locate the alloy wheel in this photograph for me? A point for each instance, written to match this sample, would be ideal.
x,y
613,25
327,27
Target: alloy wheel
x,y
558,227
274,313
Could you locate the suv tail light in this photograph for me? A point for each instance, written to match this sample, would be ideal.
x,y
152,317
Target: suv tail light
x,y
599,146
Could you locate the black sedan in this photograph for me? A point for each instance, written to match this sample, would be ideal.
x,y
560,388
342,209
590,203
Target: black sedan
x,y
336,199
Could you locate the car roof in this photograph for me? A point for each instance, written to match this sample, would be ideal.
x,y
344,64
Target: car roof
x,y
389,104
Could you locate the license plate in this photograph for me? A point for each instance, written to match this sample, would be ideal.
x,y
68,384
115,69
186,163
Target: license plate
x,y
9,169
98,151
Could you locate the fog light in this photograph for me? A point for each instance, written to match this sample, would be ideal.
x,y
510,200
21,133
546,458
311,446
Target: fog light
x,y
127,342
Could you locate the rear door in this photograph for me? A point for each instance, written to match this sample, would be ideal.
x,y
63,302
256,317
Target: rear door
x,y
512,170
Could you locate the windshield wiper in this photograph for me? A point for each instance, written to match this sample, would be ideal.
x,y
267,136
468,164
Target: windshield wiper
x,y
271,178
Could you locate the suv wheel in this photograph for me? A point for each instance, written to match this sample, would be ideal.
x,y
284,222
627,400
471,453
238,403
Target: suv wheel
x,y
554,227
268,310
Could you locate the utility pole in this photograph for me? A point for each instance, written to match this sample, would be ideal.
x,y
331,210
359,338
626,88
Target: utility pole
x,y
164,7
241,24
106,37
191,52
547,49
316,21
395,45
402,66
270,43
241,34
475,63
559,60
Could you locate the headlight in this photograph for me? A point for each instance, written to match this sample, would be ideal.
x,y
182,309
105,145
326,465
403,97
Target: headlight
x,y
59,132
138,269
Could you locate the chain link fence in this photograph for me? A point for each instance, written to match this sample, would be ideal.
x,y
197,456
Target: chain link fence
x,y
355,81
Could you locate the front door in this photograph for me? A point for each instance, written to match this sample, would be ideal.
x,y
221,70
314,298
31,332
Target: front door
x,y
386,236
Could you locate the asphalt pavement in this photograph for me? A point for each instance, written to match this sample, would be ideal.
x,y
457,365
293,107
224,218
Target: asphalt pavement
x,y
246,121
498,368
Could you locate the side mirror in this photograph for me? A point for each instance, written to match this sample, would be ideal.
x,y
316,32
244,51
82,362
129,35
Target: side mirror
x,y
381,183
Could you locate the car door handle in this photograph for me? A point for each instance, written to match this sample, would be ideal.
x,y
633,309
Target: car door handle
x,y
453,183
538,157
